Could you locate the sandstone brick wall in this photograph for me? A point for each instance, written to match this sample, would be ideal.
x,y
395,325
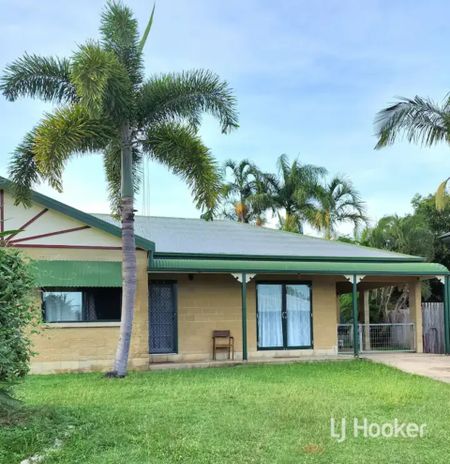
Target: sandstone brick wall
x,y
90,346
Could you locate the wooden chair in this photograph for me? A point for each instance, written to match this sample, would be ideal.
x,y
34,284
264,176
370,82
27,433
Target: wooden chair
x,y
222,340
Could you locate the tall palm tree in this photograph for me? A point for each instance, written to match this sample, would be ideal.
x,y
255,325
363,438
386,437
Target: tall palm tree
x,y
296,191
244,192
420,120
106,106
338,202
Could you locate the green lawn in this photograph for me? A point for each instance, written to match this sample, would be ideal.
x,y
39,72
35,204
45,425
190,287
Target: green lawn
x,y
246,414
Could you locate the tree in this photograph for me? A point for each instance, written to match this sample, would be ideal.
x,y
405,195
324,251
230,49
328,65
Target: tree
x,y
438,222
420,120
338,202
245,192
296,191
105,105
17,311
408,235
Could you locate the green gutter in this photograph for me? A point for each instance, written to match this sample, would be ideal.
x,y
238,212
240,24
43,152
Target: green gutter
x,y
298,267
400,258
446,315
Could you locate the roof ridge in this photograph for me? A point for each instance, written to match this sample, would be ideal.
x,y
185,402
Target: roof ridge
x,y
172,217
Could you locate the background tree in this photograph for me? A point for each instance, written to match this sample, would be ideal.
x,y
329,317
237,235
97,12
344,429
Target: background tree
x,y
295,192
105,105
244,192
338,202
408,235
437,221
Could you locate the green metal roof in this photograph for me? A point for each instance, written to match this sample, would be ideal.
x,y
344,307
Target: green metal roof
x,y
85,218
299,267
78,273
225,239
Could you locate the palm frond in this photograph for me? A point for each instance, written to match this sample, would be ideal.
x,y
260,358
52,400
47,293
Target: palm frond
x,y
102,82
283,166
183,97
441,195
419,120
119,31
35,76
23,171
147,30
181,150
66,132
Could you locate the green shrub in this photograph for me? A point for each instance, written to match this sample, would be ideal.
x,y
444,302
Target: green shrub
x,y
18,311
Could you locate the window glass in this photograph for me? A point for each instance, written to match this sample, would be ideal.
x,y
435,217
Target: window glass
x,y
63,306
81,304
270,331
298,315
284,315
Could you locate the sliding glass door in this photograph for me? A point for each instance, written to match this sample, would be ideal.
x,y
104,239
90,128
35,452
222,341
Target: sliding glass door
x,y
284,315
270,316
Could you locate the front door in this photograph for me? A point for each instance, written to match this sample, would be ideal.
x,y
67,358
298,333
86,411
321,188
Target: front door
x,y
162,317
284,315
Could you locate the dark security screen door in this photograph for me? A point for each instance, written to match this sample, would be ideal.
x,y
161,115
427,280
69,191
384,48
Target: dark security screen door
x,y
163,317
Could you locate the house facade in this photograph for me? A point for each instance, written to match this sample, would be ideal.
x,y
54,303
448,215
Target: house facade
x,y
276,292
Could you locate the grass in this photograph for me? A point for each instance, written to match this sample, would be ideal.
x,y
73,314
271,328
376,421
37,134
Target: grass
x,y
246,414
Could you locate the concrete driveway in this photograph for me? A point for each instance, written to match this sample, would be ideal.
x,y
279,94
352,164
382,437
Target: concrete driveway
x,y
435,366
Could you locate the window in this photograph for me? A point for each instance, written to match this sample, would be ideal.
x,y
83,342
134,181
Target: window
x,y
81,304
284,315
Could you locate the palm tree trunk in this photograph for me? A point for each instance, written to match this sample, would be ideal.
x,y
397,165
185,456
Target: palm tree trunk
x,y
129,267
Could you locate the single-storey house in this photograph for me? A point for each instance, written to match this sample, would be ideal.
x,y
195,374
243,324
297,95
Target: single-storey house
x,y
276,292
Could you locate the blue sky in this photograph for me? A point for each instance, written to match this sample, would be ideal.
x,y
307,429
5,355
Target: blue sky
x,y
309,78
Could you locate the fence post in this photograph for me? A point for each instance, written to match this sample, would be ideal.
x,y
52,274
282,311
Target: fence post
x,y
355,317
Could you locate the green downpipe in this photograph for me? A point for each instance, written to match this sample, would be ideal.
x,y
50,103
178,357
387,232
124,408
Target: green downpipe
x,y
446,315
244,316
355,317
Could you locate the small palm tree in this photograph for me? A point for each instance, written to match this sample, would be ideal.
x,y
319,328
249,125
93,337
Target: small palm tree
x,y
338,202
296,191
243,192
420,120
410,235
105,105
